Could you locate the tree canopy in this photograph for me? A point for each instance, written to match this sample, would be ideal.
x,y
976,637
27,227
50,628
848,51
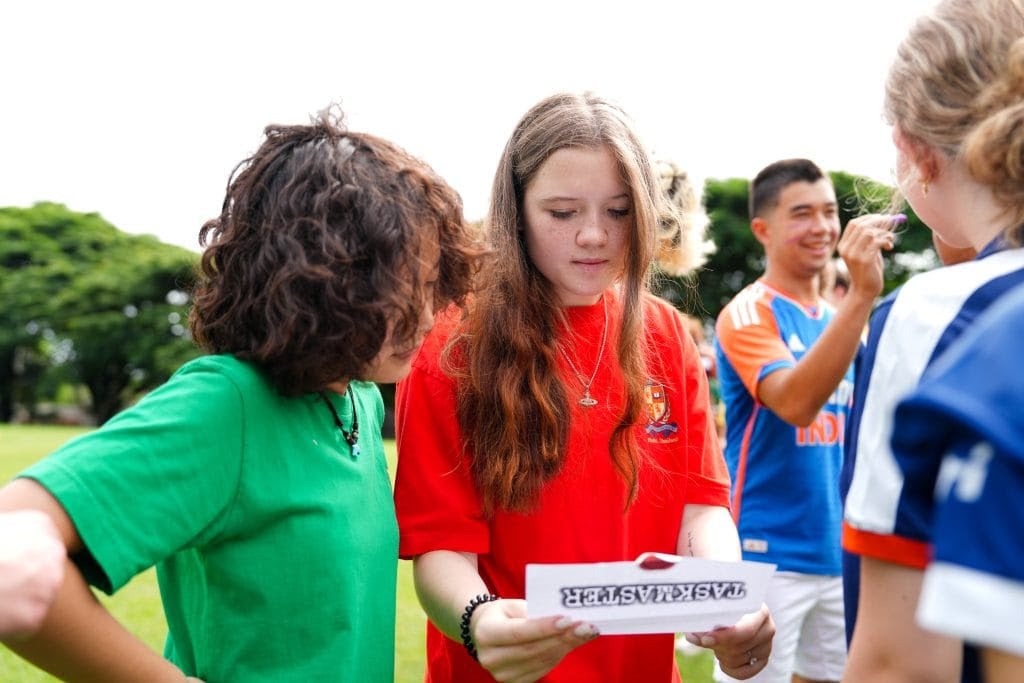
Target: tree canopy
x,y
88,302
738,258
88,305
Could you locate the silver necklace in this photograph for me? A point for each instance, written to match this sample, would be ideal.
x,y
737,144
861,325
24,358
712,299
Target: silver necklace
x,y
589,401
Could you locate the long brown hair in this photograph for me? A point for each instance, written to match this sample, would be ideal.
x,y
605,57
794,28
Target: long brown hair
x,y
512,405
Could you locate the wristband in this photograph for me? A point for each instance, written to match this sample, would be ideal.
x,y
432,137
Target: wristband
x,y
467,614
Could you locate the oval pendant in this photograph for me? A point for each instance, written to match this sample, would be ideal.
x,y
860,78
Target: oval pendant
x,y
588,402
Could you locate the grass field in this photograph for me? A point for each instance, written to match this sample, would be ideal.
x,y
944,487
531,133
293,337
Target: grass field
x,y
137,605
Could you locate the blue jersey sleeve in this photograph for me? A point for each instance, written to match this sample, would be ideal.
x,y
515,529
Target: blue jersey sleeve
x,y
962,443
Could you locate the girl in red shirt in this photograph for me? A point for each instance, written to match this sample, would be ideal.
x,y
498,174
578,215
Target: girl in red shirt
x,y
563,417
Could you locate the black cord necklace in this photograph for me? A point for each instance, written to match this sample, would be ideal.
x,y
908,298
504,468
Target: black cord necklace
x,y
351,437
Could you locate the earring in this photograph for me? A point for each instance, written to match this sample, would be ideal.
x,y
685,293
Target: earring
x,y
924,187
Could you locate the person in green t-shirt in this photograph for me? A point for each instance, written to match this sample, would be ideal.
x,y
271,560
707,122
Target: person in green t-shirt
x,y
255,479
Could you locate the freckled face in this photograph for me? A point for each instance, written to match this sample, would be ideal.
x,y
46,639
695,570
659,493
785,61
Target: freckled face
x,y
578,218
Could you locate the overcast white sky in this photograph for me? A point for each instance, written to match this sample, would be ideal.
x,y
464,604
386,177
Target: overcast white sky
x,y
139,110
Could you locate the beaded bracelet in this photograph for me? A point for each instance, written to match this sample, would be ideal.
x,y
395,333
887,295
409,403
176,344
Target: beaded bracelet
x,y
467,639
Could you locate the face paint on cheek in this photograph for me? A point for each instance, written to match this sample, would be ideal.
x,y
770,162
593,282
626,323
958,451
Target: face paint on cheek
x,y
796,232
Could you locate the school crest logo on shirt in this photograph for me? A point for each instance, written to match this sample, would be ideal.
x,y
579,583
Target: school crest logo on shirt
x,y
658,413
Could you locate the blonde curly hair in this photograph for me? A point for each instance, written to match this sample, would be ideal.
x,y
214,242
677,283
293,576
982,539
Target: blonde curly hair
x,y
683,241
957,84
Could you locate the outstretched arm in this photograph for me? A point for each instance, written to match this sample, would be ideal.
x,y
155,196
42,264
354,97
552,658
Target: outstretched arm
x,y
79,640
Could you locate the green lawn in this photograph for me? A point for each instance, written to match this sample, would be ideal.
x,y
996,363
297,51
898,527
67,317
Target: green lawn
x,y
137,605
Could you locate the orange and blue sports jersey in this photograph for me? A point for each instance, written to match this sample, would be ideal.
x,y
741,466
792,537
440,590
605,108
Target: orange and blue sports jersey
x,y
961,448
785,479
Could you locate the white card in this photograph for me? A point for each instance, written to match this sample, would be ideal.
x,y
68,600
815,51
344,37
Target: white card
x,y
657,593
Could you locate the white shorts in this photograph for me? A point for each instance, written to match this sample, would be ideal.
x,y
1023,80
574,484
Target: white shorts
x,y
810,631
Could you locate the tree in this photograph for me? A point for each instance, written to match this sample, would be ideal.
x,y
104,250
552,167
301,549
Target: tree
x,y
738,258
107,307
32,268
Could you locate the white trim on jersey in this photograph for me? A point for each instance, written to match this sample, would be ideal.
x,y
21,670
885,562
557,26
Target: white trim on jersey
x,y
919,316
983,609
744,308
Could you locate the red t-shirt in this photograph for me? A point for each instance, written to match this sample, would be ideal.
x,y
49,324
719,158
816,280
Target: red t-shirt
x,y
581,516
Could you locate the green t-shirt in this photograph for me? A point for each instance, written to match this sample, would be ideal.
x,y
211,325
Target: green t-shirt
x,y
276,548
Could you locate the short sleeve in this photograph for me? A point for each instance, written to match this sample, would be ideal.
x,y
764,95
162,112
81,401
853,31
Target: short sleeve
x,y
436,500
154,479
978,560
747,337
961,399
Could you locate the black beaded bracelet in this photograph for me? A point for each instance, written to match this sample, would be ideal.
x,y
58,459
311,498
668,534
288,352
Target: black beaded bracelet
x,y
467,639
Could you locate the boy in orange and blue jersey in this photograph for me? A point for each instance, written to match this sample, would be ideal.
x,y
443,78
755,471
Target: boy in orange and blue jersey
x,y
784,362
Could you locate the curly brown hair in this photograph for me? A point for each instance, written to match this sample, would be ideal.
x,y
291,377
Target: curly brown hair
x,y
316,251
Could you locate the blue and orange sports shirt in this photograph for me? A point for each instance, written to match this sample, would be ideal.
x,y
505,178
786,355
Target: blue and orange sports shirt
x,y
785,479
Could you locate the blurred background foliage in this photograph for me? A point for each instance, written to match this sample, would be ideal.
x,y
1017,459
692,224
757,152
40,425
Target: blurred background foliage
x,y
92,317
89,313
738,258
